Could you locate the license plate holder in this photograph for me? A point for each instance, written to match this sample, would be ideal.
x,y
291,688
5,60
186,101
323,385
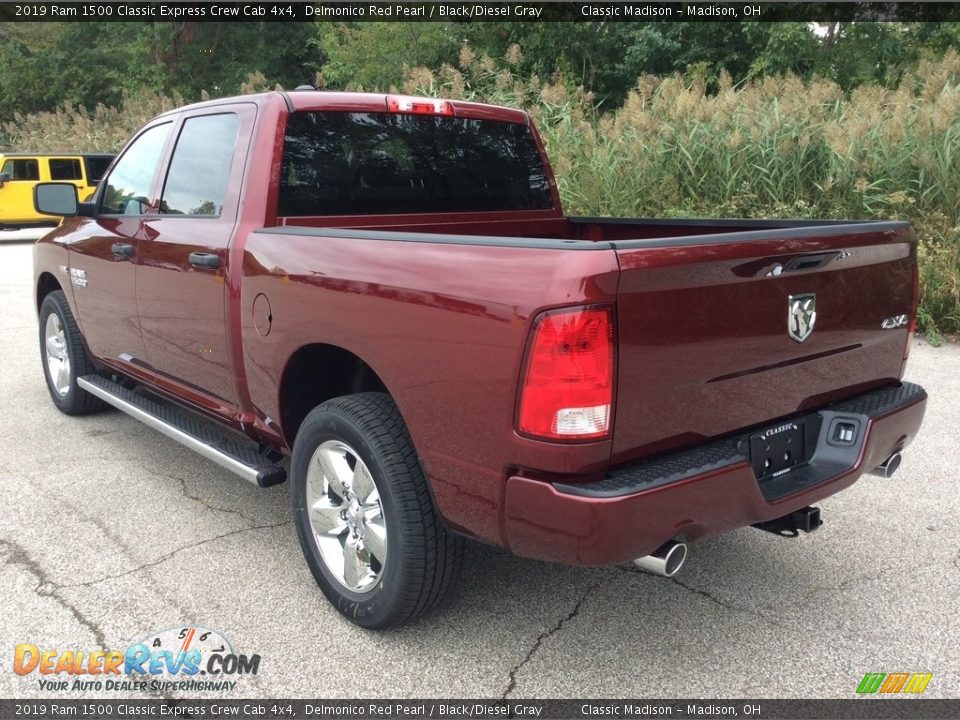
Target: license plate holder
x,y
778,449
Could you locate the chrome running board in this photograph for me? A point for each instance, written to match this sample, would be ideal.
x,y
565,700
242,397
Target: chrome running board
x,y
243,459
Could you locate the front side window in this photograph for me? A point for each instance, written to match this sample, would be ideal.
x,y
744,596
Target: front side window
x,y
128,188
337,163
21,169
200,168
65,169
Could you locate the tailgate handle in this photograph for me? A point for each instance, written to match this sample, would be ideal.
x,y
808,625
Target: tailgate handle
x,y
206,261
122,250
809,262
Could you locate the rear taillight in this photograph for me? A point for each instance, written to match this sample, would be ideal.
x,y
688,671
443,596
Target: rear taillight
x,y
418,105
567,388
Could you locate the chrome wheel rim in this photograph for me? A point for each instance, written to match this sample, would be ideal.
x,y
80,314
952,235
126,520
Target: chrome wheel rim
x,y
346,516
58,359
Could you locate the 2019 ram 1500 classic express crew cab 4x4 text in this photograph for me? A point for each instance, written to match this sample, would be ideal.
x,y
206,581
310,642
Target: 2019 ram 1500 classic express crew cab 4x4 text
x,y
386,290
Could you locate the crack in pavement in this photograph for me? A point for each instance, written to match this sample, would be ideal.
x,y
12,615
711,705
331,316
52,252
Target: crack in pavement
x,y
99,433
163,558
118,540
198,499
47,588
704,594
861,579
512,684
204,503
712,598
735,608
94,520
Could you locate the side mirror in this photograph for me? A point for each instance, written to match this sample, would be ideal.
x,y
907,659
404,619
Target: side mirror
x,y
53,198
4,178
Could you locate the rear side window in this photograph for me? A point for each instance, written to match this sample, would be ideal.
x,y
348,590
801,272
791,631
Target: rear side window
x,y
65,169
128,187
22,169
200,168
372,163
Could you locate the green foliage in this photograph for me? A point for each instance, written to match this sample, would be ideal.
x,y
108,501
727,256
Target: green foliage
x,y
606,58
79,63
856,120
217,57
790,48
44,65
103,129
859,53
774,147
939,276
374,56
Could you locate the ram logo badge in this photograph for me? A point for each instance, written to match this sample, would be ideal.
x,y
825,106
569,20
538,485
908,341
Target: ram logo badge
x,y
801,316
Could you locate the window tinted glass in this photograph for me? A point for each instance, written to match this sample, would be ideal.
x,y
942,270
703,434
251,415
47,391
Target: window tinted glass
x,y
361,163
63,169
96,167
128,186
200,169
21,169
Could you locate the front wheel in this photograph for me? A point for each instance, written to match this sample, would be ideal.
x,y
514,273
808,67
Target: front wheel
x,y
65,357
364,516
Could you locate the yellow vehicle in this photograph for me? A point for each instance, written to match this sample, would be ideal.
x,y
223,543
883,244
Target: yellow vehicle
x,y
20,172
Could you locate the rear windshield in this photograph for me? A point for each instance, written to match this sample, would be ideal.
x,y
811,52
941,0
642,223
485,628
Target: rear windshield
x,y
338,163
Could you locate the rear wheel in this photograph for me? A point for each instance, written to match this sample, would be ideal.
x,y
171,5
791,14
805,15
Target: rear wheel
x,y
364,516
65,357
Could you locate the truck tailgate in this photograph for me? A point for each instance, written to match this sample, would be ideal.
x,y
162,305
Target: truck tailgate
x,y
704,324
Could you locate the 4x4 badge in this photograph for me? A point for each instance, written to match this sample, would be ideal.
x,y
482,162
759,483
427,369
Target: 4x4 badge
x,y
78,277
801,316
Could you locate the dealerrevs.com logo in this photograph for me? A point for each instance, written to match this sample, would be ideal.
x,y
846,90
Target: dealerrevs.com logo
x,y
894,683
188,659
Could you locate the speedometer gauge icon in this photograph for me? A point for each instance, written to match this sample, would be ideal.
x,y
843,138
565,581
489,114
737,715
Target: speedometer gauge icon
x,y
184,639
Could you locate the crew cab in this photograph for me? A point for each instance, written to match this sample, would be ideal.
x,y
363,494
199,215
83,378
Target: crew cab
x,y
381,298
20,173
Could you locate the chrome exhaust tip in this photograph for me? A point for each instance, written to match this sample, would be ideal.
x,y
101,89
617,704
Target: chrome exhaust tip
x,y
665,561
888,467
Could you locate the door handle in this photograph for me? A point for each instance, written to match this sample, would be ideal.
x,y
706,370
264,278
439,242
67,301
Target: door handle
x,y
122,250
205,261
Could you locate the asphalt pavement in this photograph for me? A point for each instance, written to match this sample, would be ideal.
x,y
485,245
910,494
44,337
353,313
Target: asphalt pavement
x,y
112,532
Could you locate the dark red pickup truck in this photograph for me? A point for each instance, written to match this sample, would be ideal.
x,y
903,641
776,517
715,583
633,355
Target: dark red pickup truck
x,y
386,290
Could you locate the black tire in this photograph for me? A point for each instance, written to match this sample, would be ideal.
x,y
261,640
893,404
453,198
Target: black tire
x,y
422,558
69,398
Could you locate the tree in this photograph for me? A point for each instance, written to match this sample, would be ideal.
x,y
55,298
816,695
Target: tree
x,y
791,47
371,56
854,53
218,56
43,65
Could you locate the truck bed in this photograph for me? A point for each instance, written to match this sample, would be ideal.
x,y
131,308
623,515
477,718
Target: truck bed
x,y
479,229
701,320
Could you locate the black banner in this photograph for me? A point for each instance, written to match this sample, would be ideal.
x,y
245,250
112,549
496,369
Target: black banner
x,y
378,10
885,709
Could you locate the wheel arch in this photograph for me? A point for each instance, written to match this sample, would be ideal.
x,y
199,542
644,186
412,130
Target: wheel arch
x,y
46,284
319,372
